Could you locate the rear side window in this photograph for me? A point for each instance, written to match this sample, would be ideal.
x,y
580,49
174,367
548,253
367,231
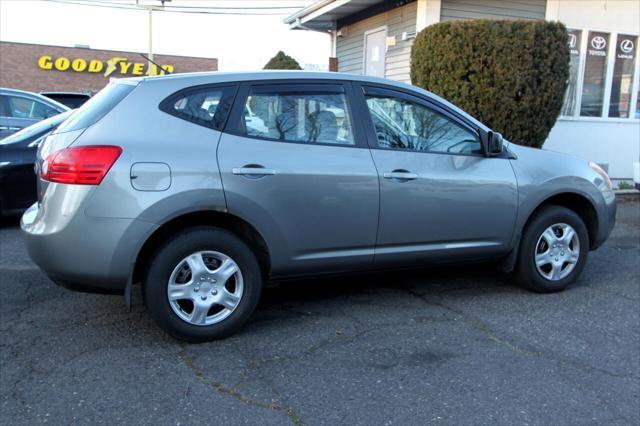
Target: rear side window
x,y
96,107
204,105
4,109
299,114
20,107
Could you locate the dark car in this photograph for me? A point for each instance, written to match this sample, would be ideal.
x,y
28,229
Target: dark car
x,y
17,159
20,109
70,99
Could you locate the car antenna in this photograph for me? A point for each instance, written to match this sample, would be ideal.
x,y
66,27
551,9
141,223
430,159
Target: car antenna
x,y
159,67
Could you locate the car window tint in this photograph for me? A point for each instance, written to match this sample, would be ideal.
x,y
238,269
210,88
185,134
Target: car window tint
x,y
97,107
305,116
20,107
4,109
40,127
402,124
205,106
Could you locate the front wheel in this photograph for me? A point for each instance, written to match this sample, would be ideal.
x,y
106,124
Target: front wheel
x,y
553,250
202,285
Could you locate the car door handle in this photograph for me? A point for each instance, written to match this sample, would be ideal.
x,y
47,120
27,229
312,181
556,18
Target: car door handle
x,y
400,175
252,171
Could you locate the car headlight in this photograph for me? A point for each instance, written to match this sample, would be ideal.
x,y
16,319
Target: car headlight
x,y
603,175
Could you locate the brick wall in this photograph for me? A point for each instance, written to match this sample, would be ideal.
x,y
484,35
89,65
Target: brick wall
x,y
19,67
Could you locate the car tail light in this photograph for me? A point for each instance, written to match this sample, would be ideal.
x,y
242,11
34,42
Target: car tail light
x,y
83,165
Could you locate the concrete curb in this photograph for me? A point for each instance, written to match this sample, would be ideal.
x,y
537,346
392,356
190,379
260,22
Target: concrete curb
x,y
627,193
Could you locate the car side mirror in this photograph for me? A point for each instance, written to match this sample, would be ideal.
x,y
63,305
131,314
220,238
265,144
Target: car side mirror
x,y
494,143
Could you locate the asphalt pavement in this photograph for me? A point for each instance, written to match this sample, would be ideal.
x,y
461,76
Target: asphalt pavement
x,y
451,346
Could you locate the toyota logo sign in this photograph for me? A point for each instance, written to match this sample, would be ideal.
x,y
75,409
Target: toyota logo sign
x,y
598,42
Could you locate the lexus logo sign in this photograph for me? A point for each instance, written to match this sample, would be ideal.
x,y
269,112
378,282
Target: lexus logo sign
x,y
626,46
598,42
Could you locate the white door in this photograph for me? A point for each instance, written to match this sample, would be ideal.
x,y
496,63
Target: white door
x,y
375,46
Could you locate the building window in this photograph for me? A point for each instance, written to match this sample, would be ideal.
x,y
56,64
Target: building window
x,y
621,85
595,73
602,81
638,103
575,43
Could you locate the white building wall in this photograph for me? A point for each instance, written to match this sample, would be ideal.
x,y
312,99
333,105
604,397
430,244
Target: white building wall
x,y
613,142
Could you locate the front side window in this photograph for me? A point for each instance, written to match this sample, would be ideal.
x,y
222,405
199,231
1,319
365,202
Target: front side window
x,y
28,108
621,86
405,125
309,116
595,71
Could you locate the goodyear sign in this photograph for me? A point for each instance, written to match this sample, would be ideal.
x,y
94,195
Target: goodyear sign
x,y
114,66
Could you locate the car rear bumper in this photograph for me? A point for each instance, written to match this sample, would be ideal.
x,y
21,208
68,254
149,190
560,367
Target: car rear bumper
x,y
82,252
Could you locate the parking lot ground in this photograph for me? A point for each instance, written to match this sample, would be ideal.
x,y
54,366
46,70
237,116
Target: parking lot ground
x,y
457,345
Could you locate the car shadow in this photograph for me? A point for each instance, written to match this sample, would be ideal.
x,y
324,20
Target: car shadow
x,y
423,282
9,221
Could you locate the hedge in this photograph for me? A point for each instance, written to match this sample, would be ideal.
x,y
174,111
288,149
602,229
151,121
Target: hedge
x,y
511,75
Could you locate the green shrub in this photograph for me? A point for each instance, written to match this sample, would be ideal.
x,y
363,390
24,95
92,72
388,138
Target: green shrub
x,y
282,61
511,75
625,185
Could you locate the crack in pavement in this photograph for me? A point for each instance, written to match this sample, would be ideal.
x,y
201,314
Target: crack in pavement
x,y
480,326
235,393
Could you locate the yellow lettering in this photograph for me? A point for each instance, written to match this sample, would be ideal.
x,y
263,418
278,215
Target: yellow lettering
x,y
79,65
137,68
152,70
62,63
45,62
124,67
95,66
167,69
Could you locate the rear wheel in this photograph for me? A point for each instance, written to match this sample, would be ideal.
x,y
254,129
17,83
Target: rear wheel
x,y
202,285
553,250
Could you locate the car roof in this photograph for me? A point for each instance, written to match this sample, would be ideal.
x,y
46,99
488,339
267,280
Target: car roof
x,y
214,77
222,77
35,96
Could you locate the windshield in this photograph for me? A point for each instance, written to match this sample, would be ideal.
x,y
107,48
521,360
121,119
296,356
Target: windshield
x,y
37,128
96,107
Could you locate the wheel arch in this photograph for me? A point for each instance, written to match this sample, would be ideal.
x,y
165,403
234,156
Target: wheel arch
x,y
580,204
240,227
577,202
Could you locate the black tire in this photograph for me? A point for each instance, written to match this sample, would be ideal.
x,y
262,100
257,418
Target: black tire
x,y
527,272
171,254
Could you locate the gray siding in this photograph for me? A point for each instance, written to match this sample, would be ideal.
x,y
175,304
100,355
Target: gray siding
x,y
492,9
350,47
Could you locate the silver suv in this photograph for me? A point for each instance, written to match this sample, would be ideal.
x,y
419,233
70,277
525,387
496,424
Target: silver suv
x,y
168,181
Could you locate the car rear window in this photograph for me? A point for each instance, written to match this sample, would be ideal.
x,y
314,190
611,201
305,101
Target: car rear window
x,y
96,107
